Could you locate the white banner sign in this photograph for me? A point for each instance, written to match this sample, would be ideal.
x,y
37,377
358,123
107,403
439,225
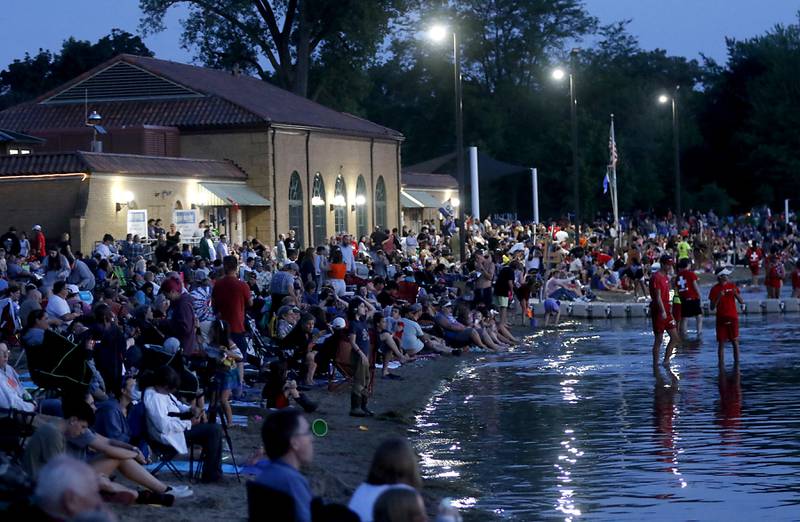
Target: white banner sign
x,y
137,223
186,221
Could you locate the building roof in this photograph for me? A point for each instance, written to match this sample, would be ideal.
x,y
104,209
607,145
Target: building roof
x,y
420,180
121,164
9,136
136,90
488,167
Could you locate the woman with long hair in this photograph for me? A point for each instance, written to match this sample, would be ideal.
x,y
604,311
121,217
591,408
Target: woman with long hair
x,y
394,466
336,272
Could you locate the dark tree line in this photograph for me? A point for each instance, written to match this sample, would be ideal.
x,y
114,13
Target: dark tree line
x,y
738,120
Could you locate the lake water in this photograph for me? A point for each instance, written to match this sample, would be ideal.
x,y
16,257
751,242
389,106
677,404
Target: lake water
x,y
578,425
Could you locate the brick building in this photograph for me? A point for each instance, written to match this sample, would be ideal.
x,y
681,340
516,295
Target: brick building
x,y
277,161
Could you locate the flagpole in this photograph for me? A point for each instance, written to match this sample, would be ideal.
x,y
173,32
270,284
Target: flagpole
x,y
614,201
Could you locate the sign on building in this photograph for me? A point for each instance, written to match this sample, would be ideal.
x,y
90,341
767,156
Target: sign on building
x,y
186,221
137,222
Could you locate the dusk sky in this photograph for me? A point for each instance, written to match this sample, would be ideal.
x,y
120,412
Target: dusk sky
x,y
682,27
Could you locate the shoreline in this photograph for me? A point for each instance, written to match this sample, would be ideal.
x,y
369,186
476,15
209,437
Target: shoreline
x,y
341,458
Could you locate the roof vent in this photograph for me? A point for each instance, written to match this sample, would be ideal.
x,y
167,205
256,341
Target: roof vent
x,y
121,81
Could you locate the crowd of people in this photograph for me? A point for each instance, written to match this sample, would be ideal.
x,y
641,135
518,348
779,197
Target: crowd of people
x,y
172,331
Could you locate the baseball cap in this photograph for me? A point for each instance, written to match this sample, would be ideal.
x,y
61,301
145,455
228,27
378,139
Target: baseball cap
x,y
37,227
724,271
293,266
338,323
283,310
73,289
666,259
416,307
170,285
447,304
655,267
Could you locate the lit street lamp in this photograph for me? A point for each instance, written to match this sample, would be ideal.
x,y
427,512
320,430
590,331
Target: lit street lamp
x,y
663,99
438,33
558,75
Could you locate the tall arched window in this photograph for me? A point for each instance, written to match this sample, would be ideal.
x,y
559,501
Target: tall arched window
x,y
340,206
296,207
318,211
380,204
361,207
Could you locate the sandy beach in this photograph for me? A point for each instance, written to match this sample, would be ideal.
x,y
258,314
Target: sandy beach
x,y
341,459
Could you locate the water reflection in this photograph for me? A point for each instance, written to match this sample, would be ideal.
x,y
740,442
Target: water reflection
x,y
582,427
729,413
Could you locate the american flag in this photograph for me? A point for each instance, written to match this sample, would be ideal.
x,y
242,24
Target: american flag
x,y
612,146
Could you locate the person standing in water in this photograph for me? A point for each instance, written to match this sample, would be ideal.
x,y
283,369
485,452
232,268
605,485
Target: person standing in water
x,y
661,311
723,297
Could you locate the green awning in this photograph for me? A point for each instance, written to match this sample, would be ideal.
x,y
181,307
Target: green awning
x,y
418,199
227,194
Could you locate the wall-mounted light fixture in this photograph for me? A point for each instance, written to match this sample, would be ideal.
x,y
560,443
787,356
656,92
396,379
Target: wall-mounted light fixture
x,y
124,199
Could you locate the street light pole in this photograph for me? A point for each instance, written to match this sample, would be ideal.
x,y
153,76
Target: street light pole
x,y
677,146
573,117
462,198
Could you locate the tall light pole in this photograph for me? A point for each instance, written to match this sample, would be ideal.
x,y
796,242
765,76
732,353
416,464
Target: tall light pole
x,y
676,144
438,33
560,74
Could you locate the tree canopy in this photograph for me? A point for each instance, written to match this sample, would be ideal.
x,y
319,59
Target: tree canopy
x,y
31,76
737,121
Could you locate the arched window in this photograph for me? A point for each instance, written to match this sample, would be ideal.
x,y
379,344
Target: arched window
x,y
296,207
361,207
318,213
340,206
380,204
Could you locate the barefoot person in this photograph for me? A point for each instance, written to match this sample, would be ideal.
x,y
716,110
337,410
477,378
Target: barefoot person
x,y
660,310
688,289
723,297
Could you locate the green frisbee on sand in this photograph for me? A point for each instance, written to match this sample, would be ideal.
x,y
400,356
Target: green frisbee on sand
x,y
319,427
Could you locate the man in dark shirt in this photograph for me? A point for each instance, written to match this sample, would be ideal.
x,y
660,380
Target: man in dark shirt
x,y
288,443
503,291
181,321
359,359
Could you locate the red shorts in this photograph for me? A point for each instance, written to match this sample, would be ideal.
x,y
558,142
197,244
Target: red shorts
x,y
773,282
677,311
727,329
663,325
755,269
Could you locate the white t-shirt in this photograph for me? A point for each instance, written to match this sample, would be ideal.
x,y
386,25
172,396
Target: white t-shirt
x,y
365,496
57,306
412,332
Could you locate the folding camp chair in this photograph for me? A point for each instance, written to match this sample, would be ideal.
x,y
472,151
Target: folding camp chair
x,y
15,428
164,455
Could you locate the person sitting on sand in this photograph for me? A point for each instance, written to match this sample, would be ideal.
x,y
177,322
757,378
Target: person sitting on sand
x,y
394,466
387,345
289,444
455,333
413,339
279,389
105,456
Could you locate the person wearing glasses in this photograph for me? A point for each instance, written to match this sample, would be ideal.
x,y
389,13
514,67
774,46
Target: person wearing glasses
x,y
288,443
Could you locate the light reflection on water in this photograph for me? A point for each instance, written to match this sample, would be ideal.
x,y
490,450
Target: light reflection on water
x,y
579,425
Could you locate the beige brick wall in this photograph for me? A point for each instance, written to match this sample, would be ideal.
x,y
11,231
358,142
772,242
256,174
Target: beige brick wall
x,y
328,154
49,202
249,150
159,196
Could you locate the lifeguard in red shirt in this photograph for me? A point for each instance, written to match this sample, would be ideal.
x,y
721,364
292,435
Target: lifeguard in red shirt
x,y
796,280
774,273
754,257
723,297
660,310
688,287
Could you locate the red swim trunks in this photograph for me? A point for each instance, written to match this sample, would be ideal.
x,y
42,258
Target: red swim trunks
x,y
663,325
727,329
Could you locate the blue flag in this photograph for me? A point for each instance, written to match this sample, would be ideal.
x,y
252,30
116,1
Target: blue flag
x,y
605,184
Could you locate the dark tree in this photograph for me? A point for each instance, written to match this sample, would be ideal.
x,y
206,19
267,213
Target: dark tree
x,y
32,76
